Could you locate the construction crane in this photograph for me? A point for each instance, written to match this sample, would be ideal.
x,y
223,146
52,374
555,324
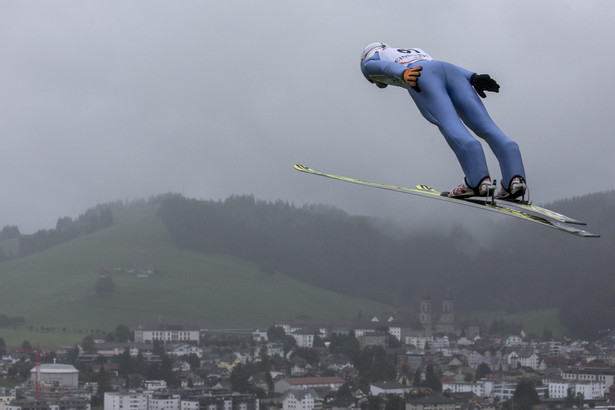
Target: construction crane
x,y
37,352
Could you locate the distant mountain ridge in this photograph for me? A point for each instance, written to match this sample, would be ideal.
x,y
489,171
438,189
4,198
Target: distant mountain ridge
x,y
527,267
212,257
57,288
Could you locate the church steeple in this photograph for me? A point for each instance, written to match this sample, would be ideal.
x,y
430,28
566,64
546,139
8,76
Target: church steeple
x,y
425,316
448,310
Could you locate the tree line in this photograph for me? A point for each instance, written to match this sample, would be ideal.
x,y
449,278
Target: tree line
x,y
67,228
526,267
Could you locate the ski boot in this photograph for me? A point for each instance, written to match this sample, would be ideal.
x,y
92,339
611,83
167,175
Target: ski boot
x,y
516,189
484,189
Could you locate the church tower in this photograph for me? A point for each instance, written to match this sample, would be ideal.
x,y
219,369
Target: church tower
x,y
425,314
448,311
446,321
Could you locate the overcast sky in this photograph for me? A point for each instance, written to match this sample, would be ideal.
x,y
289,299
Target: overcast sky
x,y
119,100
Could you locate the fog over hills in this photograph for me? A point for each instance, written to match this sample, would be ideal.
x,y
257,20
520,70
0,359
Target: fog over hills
x,y
519,266
523,266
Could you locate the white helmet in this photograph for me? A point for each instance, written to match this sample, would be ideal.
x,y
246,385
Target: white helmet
x,y
370,50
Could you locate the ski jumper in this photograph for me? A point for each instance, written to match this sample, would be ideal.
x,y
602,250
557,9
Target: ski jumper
x,y
448,100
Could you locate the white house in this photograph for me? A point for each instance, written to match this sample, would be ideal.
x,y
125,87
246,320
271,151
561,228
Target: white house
x,y
482,388
299,399
389,387
606,376
339,362
303,337
260,336
125,400
185,350
115,349
275,349
166,333
325,384
221,402
513,340
493,360
443,345
504,389
418,341
139,399
529,358
590,390
164,401
395,331
155,385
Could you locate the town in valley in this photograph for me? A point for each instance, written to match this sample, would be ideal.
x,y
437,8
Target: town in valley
x,y
393,361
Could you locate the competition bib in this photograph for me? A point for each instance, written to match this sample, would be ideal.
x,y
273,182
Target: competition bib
x,y
403,55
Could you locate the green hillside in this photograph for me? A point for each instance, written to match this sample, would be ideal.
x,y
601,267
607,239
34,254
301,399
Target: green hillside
x,y
56,287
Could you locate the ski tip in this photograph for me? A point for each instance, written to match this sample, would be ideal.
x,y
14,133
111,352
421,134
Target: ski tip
x,y
300,167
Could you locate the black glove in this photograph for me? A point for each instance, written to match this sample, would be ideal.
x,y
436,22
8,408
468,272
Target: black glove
x,y
482,83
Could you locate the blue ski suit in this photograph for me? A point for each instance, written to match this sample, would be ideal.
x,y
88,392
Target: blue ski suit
x,y
448,100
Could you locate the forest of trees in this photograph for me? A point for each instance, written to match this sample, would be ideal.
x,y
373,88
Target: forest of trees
x,y
523,267
361,256
66,229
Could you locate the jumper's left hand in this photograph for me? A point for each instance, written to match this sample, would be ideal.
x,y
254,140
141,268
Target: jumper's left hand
x,y
484,82
411,77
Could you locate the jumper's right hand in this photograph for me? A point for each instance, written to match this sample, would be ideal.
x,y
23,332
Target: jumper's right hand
x,y
484,82
411,77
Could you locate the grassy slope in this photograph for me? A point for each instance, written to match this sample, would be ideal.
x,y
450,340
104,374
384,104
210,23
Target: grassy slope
x,y
56,287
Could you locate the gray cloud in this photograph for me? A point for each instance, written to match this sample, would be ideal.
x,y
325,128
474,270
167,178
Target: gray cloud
x,y
108,100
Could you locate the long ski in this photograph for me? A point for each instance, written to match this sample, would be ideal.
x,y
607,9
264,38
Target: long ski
x,y
541,216
537,210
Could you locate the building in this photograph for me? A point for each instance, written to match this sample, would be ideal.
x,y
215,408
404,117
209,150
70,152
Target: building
x,y
185,350
419,340
164,401
260,336
76,403
148,400
318,384
482,388
389,387
154,385
433,323
505,390
6,396
65,375
376,338
589,389
299,400
431,402
55,382
597,374
529,358
133,399
304,337
166,333
493,360
234,401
